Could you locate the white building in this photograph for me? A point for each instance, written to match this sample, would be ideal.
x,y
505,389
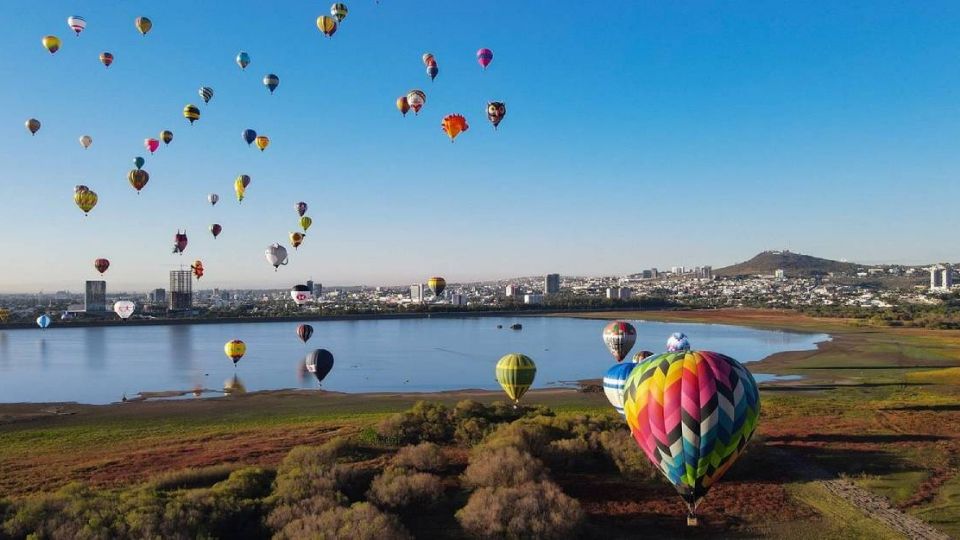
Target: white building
x,y
779,274
533,299
618,293
416,293
941,277
458,299
513,290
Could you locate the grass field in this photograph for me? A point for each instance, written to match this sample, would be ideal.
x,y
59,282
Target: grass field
x,y
878,406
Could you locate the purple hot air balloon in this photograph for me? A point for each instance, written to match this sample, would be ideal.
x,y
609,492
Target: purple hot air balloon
x,y
215,230
484,57
249,136
180,242
301,208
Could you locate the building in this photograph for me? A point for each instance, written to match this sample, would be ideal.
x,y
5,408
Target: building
x,y
158,296
551,284
618,293
779,274
512,290
533,298
95,297
416,293
181,290
676,270
705,272
941,277
458,299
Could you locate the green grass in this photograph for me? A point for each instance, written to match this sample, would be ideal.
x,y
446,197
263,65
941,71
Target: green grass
x,y
841,520
944,511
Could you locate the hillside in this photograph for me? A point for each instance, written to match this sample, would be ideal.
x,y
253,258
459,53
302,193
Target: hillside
x,y
794,264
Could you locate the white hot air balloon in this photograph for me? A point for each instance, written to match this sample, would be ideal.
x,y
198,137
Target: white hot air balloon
x,y
86,141
124,308
276,255
301,294
76,23
213,198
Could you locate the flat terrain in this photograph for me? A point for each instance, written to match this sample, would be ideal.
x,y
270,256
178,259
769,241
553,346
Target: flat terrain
x,y
875,415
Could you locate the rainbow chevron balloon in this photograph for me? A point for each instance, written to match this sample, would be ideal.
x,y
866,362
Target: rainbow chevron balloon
x,y
692,413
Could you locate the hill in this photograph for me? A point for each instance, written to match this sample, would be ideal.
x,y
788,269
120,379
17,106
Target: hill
x,y
794,264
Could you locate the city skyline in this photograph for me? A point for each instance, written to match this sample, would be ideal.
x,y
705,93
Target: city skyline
x,y
718,129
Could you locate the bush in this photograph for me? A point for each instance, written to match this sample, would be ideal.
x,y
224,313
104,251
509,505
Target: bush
x,y
399,488
423,422
626,456
526,435
307,471
530,510
570,454
506,466
424,457
284,514
192,478
362,521
247,483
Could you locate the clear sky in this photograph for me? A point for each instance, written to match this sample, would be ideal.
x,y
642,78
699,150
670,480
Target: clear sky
x,y
637,134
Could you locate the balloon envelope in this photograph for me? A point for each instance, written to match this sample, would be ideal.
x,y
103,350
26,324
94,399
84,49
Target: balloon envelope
x,y
33,126
101,265
301,294
496,110
249,136
86,141
166,136
215,229
124,308
106,59
613,383
319,362
138,178
484,57
44,321
678,342
403,105
213,198
301,208
453,125
51,43
271,81
235,349
76,23
143,24
243,60
151,145
437,284
515,373
262,142
304,331
191,113
138,162
619,337
305,223
276,255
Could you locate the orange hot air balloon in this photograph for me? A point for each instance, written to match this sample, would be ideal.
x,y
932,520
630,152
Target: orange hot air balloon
x,y
403,105
138,178
296,239
262,142
197,268
453,125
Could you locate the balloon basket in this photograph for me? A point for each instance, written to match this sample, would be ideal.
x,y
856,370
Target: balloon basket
x,y
692,520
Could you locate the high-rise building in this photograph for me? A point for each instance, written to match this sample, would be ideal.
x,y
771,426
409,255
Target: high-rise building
x,y
158,296
706,272
458,299
779,273
181,290
512,290
618,293
533,299
309,285
95,297
551,284
416,293
654,273
941,277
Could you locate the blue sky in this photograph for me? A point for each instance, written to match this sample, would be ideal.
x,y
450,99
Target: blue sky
x,y
637,134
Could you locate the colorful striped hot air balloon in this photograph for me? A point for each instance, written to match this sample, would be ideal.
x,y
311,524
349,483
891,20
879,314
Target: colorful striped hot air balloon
x,y
262,142
191,113
240,186
235,349
271,81
51,43
206,93
416,99
692,413
327,25
484,57
432,71
305,223
619,337
427,58
613,383
515,373
76,23
339,11
453,125
106,59
138,179
85,198
143,25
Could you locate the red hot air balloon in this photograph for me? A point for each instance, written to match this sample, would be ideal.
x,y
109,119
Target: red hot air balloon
x,y
151,145
484,57
215,229
101,265
180,242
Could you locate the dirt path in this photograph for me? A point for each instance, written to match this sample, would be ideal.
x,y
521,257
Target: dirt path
x,y
873,506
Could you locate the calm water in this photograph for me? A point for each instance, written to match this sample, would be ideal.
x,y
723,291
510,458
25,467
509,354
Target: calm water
x,y
98,365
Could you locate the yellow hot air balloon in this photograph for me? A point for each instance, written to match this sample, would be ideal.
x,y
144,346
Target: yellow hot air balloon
x,y
403,105
85,198
437,284
262,142
515,373
143,24
192,113
305,223
235,350
4,315
240,186
296,239
327,25
453,125
51,43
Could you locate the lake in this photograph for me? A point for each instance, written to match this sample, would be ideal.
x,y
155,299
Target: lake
x,y
100,364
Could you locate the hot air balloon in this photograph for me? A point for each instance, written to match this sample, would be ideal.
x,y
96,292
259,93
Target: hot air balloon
x,y
33,125
101,265
138,178
138,162
249,136
44,321
613,382
180,242
437,285
191,113
515,373
271,81
327,25
143,24
243,59
85,198
213,198
339,11
301,208
215,230
51,43
166,136
619,337
276,255
305,223
76,23
416,99
106,59
496,110
197,268
427,58
206,93
319,362
262,142
301,294
640,356
4,315
240,186
678,342
453,125
296,239
124,308
484,57
403,105
304,331
235,349
692,413
432,71
151,145
86,141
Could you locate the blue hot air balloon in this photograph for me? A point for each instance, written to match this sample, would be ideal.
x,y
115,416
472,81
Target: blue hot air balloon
x,y
249,135
614,381
271,81
44,321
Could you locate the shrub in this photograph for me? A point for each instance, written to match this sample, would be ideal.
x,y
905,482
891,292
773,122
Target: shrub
x,y
284,514
425,457
526,435
530,510
192,478
307,471
626,456
362,521
399,488
247,483
569,454
503,466
423,422
471,431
